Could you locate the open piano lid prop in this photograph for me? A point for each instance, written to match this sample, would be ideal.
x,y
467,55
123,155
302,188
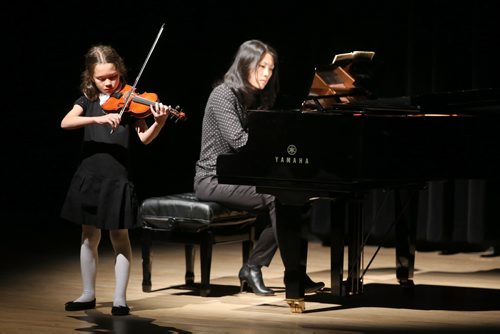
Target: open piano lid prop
x,y
345,80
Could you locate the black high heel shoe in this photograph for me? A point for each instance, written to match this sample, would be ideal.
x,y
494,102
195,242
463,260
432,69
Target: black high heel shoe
x,y
251,276
310,286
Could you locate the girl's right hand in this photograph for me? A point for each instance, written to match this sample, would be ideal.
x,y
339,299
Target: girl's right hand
x,y
112,119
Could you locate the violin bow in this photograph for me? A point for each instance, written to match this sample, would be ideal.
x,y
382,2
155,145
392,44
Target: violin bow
x,y
129,96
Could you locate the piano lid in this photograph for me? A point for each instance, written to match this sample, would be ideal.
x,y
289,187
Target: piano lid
x,y
462,102
347,86
470,101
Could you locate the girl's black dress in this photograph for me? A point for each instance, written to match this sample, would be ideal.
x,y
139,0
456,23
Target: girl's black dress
x,y
101,193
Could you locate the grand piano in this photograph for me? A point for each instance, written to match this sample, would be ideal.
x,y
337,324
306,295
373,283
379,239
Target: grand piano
x,y
341,143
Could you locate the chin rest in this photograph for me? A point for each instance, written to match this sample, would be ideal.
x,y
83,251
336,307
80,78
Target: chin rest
x,y
183,218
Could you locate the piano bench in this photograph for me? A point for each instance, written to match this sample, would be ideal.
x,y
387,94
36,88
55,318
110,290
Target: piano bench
x,y
182,218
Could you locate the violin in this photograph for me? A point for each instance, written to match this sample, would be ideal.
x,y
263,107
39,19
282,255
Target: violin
x,y
138,105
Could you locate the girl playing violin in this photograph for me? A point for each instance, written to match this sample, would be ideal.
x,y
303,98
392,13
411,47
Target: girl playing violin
x,y
101,196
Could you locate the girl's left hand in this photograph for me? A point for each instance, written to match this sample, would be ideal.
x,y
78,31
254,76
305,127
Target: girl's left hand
x,y
160,112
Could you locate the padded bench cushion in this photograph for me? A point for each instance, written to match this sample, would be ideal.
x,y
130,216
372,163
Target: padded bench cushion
x,y
186,212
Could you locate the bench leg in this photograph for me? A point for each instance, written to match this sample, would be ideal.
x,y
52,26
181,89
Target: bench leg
x,y
146,242
247,245
189,250
206,263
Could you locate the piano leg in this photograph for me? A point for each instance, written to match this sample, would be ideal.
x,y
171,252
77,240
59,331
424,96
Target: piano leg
x,y
346,212
406,229
293,250
354,284
338,220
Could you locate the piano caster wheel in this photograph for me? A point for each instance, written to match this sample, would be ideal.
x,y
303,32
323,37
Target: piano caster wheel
x,y
296,305
351,287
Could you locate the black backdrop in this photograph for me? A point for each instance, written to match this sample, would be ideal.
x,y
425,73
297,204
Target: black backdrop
x,y
421,47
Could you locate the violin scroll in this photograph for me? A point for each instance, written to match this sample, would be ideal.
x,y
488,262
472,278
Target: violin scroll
x,y
177,113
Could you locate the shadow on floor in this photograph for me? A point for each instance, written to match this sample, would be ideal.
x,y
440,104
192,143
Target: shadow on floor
x,y
106,323
419,297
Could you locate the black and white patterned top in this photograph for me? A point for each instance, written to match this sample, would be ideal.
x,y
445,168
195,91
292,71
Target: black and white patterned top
x,y
222,130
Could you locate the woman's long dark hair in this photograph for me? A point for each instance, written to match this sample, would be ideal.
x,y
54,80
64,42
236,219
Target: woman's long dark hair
x,y
99,54
249,55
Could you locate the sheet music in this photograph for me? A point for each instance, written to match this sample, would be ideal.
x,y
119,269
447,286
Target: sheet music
x,y
368,55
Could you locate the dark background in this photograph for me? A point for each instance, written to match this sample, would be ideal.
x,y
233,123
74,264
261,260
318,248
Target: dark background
x,y
421,47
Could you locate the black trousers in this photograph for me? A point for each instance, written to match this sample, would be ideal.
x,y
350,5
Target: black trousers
x,y
243,197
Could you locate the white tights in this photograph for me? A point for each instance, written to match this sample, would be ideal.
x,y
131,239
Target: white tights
x,y
91,236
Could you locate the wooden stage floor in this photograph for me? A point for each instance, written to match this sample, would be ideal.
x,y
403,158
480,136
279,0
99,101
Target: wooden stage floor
x,y
457,293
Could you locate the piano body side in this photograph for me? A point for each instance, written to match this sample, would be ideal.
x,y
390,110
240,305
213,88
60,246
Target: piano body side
x,y
334,152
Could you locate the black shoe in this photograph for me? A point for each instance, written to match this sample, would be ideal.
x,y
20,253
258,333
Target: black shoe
x,y
310,286
251,276
79,306
120,310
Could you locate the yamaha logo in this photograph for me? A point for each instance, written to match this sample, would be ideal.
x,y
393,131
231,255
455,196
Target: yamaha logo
x,y
291,158
291,149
